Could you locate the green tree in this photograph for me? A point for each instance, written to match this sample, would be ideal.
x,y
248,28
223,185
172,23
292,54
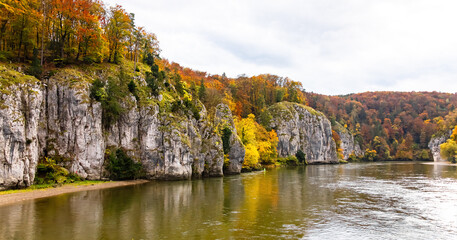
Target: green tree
x,y
118,28
121,166
202,91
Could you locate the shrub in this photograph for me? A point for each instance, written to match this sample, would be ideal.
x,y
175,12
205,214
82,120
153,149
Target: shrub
x,y
153,84
109,96
122,167
133,89
178,84
226,134
48,172
353,158
176,105
370,155
290,160
301,156
97,90
423,155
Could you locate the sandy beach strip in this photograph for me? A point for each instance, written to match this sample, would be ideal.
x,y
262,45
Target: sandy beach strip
x,y
13,198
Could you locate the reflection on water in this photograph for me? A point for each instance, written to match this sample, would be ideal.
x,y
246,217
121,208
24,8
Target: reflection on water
x,y
354,201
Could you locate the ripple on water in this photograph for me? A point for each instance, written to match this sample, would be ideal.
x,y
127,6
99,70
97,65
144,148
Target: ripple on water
x,y
414,206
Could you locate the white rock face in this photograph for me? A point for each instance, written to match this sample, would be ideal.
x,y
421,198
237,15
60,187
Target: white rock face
x,y
348,145
73,129
206,147
303,128
19,118
169,146
237,152
434,146
59,120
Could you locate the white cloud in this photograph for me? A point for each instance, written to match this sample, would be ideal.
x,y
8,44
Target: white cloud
x,y
332,47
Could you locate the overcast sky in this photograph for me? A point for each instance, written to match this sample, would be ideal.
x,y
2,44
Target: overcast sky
x,y
331,46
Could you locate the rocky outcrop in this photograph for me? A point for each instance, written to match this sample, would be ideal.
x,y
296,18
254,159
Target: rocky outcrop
x,y
169,146
434,146
348,144
56,118
19,122
178,147
224,119
302,128
71,127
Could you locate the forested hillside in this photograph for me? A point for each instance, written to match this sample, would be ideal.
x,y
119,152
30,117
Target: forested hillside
x,y
398,125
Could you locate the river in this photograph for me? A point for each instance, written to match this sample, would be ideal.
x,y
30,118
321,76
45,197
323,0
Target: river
x,y
398,200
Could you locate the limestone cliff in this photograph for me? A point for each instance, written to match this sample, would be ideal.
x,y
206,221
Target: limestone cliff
x,y
223,118
434,146
19,123
348,144
56,118
302,128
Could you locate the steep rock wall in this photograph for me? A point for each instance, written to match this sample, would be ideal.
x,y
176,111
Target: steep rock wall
x,y
434,146
56,118
302,128
348,145
19,122
71,127
237,151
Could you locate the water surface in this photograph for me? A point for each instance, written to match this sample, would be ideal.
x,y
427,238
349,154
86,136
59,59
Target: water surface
x,y
352,201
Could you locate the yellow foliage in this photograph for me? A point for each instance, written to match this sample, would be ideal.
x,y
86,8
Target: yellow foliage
x,y
246,130
228,100
251,159
261,143
267,148
454,134
449,150
339,153
187,96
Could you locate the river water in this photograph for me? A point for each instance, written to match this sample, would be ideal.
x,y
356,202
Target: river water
x,y
352,201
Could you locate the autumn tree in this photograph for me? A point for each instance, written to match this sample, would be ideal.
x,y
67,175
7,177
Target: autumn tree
x,y
118,27
405,151
260,144
449,148
89,37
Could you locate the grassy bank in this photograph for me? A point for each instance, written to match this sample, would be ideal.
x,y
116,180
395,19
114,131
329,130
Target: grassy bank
x,y
47,186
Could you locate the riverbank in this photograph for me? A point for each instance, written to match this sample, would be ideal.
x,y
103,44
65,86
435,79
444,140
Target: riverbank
x,y
16,197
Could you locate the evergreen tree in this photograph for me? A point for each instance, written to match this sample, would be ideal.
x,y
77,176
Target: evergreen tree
x,y
202,91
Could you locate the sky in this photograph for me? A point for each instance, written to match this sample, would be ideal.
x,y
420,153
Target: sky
x,y
332,47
